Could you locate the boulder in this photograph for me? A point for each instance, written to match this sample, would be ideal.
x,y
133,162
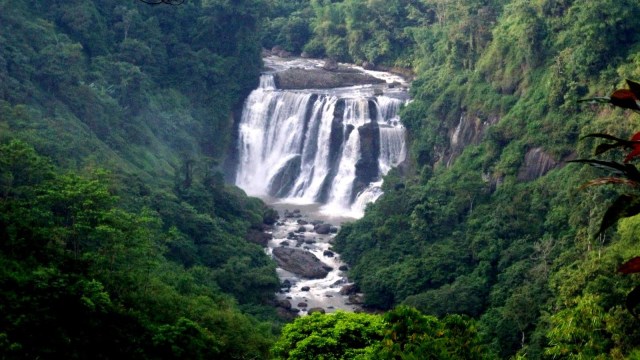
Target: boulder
x,y
286,314
330,65
355,299
301,229
302,222
258,237
328,253
333,230
318,310
343,268
302,305
298,79
300,262
305,288
284,243
285,304
368,65
322,229
349,289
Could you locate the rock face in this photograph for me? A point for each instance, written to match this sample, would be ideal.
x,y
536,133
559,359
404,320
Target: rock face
x,y
258,237
469,131
297,79
284,180
536,164
367,169
300,262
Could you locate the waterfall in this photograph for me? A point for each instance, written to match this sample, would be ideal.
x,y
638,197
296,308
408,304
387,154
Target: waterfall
x,y
319,146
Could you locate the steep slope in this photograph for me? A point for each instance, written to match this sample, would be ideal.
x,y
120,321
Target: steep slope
x,y
119,236
487,220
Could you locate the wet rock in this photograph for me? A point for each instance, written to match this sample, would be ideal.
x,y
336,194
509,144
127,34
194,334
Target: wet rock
x,y
286,283
295,310
368,65
355,299
328,253
322,229
333,230
536,164
285,304
284,243
300,262
343,268
302,305
305,288
296,79
286,314
349,289
301,229
318,310
316,222
258,237
309,241
328,268
367,168
302,222
330,65
339,283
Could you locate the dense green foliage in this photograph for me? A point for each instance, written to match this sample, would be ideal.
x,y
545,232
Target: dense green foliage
x,y
118,235
401,333
120,239
472,225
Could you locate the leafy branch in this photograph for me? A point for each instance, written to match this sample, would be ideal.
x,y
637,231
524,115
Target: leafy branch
x,y
625,205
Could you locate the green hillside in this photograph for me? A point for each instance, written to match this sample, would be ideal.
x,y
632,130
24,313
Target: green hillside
x,y
120,239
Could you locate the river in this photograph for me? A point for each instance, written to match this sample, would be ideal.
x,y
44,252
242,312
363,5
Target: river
x,y
318,155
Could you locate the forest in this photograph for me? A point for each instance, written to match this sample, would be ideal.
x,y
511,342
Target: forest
x,y
120,236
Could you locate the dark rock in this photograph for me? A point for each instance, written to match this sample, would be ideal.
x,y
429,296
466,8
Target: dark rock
x,y
309,241
330,65
349,289
367,169
302,222
343,268
270,216
327,267
536,164
302,305
285,314
285,304
285,178
322,229
295,311
286,283
297,79
318,310
368,65
378,92
301,229
339,282
305,288
356,299
284,243
316,222
258,237
296,211
300,262
333,230
328,253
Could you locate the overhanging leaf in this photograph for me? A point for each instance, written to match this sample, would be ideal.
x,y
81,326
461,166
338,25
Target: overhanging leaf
x,y
624,206
631,267
627,170
608,180
633,299
634,87
625,99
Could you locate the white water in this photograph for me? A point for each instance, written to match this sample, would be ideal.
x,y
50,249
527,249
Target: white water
x,y
288,158
285,147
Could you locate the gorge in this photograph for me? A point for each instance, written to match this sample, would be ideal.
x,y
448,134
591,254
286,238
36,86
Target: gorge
x,y
329,146
324,147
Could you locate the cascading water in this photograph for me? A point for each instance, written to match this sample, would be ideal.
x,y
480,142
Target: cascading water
x,y
330,147
326,152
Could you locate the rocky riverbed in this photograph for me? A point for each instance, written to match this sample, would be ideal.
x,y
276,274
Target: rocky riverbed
x,y
312,275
